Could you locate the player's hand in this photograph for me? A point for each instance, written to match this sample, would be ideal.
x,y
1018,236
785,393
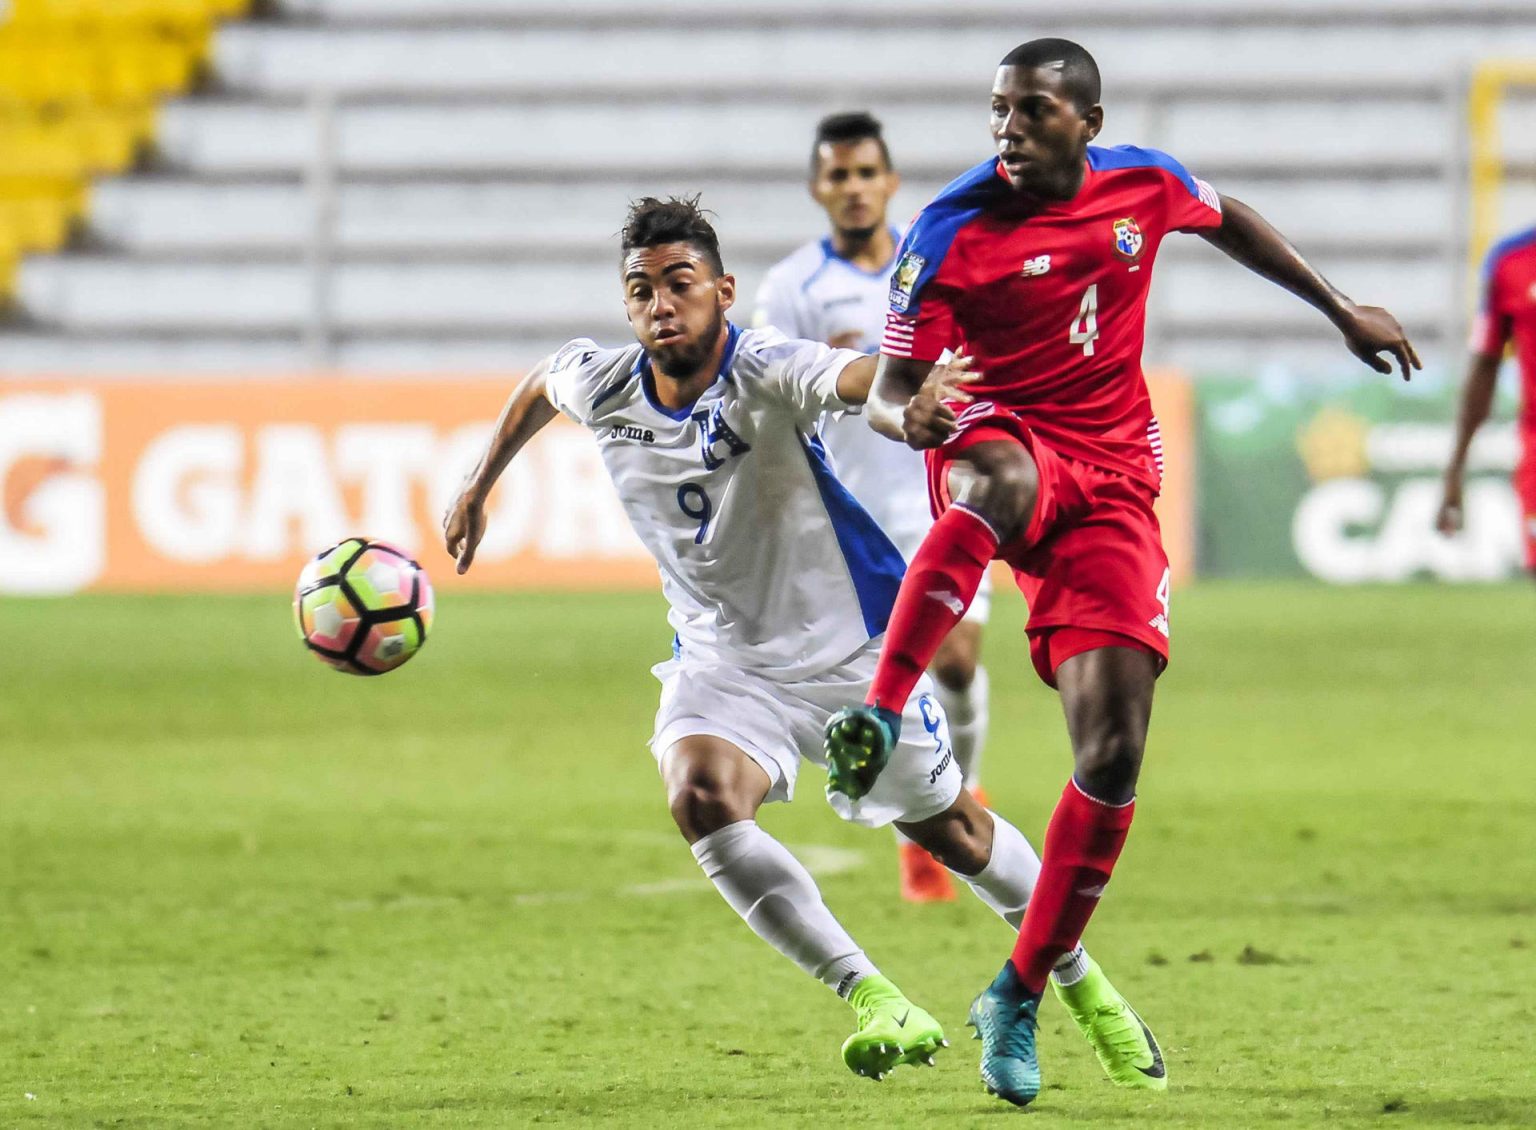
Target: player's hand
x,y
1370,331
1448,520
463,527
928,419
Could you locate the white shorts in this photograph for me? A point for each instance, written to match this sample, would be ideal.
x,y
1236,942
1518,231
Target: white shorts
x,y
776,723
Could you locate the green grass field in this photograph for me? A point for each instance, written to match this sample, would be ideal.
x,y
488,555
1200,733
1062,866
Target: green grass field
x,y
241,890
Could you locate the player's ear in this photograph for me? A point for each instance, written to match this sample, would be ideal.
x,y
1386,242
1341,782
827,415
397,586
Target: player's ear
x,y
725,292
1093,121
893,181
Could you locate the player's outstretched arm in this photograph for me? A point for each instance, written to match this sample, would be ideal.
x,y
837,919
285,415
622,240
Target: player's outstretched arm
x,y
910,400
1476,402
1369,331
527,410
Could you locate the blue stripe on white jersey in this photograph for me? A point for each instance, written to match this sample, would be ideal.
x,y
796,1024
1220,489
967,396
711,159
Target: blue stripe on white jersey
x,y
874,562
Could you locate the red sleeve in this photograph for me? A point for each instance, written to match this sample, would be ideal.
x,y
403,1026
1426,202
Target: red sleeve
x,y
1492,326
1193,205
923,335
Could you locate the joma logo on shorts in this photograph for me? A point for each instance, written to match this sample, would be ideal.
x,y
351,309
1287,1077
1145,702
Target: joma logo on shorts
x,y
938,770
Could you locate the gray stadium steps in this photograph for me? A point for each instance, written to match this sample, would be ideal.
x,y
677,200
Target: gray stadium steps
x,y
294,57
98,293
247,137
477,201
1389,13
188,216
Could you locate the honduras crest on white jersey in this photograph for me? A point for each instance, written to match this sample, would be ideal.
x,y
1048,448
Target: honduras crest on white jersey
x,y
765,558
815,294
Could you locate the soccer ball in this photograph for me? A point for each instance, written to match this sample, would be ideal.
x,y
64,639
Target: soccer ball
x,y
364,607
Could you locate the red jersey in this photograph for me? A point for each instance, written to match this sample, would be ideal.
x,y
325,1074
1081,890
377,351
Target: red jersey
x,y
1051,298
1509,313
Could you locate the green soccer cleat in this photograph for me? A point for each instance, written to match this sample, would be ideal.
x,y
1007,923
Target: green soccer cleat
x,y
1126,1048
858,743
892,1030
1005,1019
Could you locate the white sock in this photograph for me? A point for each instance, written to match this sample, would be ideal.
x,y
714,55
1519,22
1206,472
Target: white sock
x,y
1009,877
968,712
776,896
1006,883
1071,967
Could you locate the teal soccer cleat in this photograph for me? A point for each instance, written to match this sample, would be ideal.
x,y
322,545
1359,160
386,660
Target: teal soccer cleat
x,y
858,743
1005,1017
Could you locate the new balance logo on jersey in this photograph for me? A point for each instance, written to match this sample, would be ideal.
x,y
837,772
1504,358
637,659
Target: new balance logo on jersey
x,y
1039,265
634,432
712,430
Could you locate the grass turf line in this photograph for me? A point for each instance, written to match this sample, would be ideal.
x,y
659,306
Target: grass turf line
x,y
240,889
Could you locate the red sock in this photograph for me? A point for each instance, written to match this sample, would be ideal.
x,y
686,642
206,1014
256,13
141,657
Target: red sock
x,y
1082,842
939,586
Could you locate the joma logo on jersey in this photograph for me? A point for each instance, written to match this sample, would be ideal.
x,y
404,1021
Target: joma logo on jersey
x,y
1128,239
633,431
712,430
1039,265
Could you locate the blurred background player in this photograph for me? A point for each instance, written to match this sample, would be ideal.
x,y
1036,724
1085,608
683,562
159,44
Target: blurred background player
x,y
1507,313
834,290
1038,261
710,436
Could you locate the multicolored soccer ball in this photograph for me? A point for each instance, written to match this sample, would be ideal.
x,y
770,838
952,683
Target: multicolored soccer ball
x,y
364,607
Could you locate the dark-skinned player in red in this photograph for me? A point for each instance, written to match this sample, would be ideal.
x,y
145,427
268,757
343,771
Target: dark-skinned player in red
x,y
1037,263
1507,315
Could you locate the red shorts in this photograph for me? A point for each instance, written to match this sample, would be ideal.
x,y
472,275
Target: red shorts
x,y
1091,563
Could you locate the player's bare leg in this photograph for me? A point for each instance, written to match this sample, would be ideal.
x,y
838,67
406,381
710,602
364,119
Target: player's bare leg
x,y
1107,696
714,791
993,485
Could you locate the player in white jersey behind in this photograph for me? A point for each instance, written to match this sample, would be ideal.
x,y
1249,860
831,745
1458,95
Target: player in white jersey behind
x,y
836,289
779,586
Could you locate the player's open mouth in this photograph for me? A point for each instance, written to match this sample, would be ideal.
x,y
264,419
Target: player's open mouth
x,y
665,337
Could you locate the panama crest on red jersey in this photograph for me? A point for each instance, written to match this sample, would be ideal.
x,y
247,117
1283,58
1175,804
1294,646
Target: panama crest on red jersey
x,y
1128,241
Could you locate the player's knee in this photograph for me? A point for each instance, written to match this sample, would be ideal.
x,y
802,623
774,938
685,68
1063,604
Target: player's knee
x,y
958,840
1108,764
1012,487
964,854
701,804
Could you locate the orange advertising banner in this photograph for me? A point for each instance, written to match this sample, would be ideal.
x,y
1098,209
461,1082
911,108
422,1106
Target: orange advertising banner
x,y
232,484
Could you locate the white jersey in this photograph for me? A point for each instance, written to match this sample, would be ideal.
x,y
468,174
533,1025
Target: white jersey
x,y
765,558
816,295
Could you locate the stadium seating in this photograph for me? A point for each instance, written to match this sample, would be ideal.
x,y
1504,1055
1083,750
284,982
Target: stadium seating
x,y
481,152
79,80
